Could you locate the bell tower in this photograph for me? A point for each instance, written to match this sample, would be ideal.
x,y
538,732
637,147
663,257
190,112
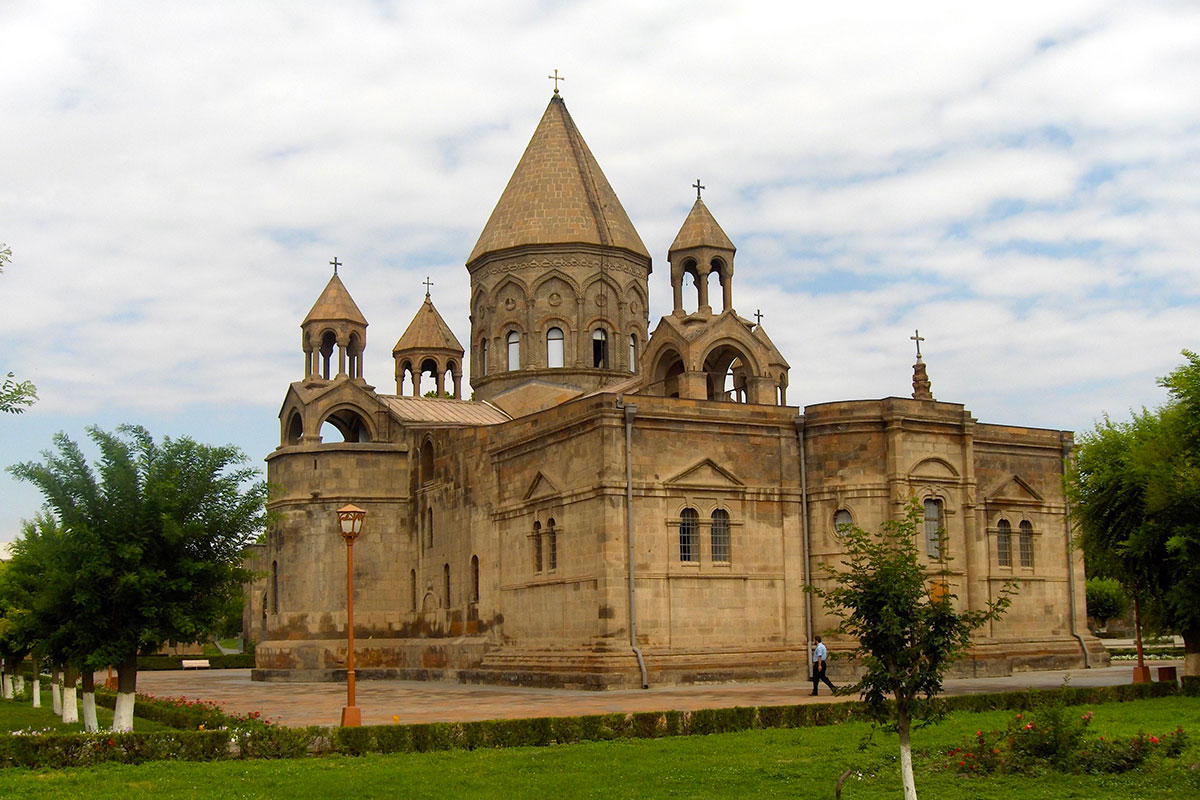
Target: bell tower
x,y
334,323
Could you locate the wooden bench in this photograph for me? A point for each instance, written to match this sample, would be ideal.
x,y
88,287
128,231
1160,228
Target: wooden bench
x,y
195,663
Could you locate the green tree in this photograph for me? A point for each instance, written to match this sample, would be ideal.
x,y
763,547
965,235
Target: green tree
x,y
160,529
1135,495
15,395
1106,599
903,618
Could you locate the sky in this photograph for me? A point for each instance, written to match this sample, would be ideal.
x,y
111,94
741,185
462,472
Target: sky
x,y
1019,181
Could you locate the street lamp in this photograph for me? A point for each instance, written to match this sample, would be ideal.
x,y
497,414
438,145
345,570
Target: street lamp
x,y
350,520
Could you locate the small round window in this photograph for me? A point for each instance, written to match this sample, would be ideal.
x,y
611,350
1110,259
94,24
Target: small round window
x,y
842,520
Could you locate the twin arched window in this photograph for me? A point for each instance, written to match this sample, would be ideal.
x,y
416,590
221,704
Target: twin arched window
x,y
689,536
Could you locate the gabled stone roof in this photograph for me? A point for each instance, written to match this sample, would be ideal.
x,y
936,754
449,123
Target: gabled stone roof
x,y
700,229
335,303
428,331
440,411
558,195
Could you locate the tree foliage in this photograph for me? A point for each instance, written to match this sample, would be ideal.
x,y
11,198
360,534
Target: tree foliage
x,y
153,536
15,396
1135,494
905,623
1106,599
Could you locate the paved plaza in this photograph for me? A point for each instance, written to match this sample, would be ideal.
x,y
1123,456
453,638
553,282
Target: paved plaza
x,y
386,701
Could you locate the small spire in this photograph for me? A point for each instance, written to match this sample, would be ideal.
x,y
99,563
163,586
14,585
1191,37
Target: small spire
x,y
922,387
335,264
556,78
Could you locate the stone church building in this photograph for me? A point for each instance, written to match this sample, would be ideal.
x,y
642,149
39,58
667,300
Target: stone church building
x,y
621,504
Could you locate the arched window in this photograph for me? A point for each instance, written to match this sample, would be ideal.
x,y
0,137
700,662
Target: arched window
x,y
483,365
412,589
328,342
429,528
554,347
537,547
474,579
842,520
1004,543
446,584
689,535
275,587
514,350
600,348
1026,544
552,547
933,528
295,428
720,535
633,352
427,461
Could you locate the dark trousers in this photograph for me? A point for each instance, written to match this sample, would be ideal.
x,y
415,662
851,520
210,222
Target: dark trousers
x,y
818,675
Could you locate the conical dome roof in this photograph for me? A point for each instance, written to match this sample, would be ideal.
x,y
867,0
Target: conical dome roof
x,y
427,331
558,195
700,229
335,303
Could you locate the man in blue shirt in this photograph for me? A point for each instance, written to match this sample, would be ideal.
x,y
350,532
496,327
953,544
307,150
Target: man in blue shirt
x,y
819,665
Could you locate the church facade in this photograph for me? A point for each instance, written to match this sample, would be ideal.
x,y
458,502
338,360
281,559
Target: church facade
x,y
618,505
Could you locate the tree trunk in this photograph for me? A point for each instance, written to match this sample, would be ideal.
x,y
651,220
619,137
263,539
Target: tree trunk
x,y
56,692
126,693
19,686
89,702
37,683
903,725
70,706
6,686
1191,651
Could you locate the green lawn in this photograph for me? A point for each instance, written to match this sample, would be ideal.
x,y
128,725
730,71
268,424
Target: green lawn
x,y
16,715
767,764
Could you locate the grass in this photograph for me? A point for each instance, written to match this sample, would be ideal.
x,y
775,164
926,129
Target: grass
x,y
16,715
761,764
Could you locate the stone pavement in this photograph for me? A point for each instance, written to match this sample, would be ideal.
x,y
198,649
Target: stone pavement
x,y
384,702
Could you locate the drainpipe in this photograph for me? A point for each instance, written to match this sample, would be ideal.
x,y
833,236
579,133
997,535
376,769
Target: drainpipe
x,y
808,609
1067,446
631,412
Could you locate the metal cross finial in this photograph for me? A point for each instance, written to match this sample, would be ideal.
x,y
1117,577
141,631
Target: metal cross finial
x,y
556,78
758,315
698,187
918,338
427,283
335,264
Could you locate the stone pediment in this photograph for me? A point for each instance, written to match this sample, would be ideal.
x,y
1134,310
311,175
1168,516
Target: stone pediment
x,y
934,469
707,474
1015,490
325,393
541,487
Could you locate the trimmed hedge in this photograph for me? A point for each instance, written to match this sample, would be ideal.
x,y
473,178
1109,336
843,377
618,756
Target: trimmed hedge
x,y
254,739
233,661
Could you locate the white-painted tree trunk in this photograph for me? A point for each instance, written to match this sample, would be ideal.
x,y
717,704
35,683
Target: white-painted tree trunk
x,y
37,691
123,714
89,712
906,772
56,692
6,688
20,687
70,705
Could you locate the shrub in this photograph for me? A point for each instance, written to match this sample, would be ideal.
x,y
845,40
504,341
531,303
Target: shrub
x,y
1106,599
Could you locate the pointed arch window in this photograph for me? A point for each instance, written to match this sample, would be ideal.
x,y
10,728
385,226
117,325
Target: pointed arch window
x,y
689,535
514,350
446,584
600,348
1026,543
474,579
554,347
633,352
720,535
412,589
1004,543
483,361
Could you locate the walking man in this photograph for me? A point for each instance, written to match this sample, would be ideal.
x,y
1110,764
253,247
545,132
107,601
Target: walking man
x,y
819,664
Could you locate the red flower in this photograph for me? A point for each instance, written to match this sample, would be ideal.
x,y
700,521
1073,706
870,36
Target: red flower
x,y
1154,739
962,763
112,742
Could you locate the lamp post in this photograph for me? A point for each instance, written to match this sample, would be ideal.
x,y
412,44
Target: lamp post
x,y
350,520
